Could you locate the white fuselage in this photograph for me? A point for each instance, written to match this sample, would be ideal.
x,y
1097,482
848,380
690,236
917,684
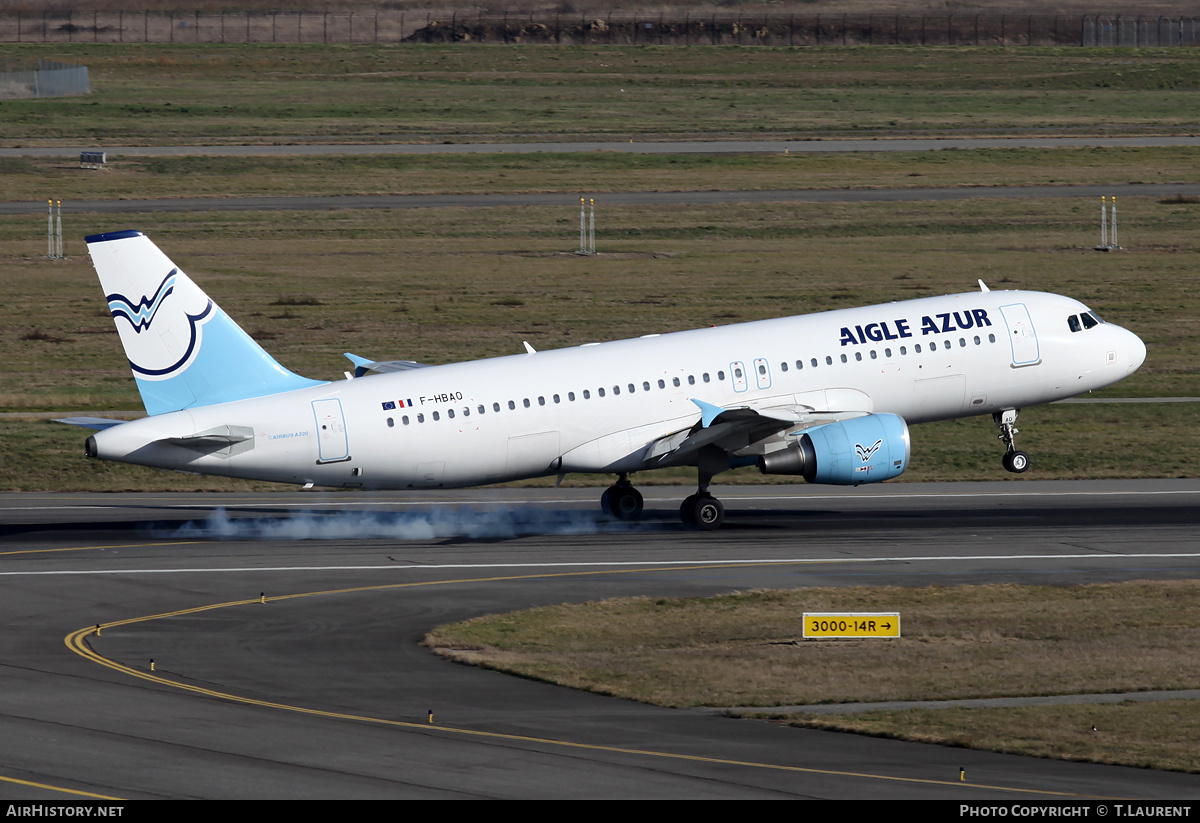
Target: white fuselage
x,y
597,408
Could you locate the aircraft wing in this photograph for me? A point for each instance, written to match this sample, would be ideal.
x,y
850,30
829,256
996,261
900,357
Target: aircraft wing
x,y
736,429
362,365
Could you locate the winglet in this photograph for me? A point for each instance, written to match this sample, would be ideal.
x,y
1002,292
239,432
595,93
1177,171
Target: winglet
x,y
528,348
708,412
983,286
361,364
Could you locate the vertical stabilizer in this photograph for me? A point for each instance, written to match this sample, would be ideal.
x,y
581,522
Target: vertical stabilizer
x,y
184,351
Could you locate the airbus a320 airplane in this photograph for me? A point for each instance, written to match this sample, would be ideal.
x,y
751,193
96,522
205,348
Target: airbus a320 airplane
x,y
828,397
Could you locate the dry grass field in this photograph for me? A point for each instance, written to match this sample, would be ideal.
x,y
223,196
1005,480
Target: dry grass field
x,y
746,650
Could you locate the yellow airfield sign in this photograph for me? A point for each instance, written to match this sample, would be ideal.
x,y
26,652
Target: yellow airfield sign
x,y
851,624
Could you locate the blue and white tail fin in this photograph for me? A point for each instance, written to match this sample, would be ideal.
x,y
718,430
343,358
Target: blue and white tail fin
x,y
184,351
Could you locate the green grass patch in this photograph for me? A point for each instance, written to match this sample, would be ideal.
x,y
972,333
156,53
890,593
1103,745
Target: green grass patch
x,y
165,94
746,649
590,172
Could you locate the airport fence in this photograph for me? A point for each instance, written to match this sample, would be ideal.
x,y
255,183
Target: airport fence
x,y
598,28
49,79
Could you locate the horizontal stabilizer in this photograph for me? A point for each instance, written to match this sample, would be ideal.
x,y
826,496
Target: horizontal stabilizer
x,y
97,423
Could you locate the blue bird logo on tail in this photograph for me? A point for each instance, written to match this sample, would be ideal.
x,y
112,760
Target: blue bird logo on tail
x,y
147,355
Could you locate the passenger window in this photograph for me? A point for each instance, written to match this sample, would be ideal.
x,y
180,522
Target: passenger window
x,y
571,396
814,362
511,405
691,380
557,399
600,392
525,402
977,341
391,423
449,413
645,385
874,356
828,360
662,384
420,418
917,348
675,381
843,358
541,400
587,395
495,407
482,408
706,377
887,353
404,419
991,338
436,416
782,366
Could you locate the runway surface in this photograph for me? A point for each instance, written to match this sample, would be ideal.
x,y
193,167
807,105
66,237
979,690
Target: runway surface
x,y
324,691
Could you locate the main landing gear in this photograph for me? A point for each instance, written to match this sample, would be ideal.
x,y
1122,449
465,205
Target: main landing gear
x,y
1014,460
701,510
622,500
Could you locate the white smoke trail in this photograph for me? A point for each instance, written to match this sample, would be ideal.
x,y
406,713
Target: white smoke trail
x,y
427,524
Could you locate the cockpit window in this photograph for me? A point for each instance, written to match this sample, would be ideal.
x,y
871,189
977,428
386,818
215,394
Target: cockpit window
x,y
1073,323
1089,320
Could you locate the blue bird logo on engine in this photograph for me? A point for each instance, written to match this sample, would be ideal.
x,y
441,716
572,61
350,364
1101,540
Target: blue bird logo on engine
x,y
865,453
159,356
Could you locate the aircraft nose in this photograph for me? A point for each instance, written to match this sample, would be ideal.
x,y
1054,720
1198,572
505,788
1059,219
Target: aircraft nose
x,y
1137,353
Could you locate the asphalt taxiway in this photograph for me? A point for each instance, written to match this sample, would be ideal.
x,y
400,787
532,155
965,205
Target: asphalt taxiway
x,y
324,691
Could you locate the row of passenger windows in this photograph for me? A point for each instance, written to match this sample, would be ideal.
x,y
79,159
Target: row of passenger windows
x,y
631,388
888,354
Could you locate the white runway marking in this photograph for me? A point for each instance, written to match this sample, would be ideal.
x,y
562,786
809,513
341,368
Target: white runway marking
x,y
633,565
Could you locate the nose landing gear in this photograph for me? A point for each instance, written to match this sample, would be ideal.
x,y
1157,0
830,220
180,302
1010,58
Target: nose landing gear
x,y
1014,460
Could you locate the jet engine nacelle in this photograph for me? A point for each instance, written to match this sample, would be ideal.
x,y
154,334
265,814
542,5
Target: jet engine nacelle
x,y
862,450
